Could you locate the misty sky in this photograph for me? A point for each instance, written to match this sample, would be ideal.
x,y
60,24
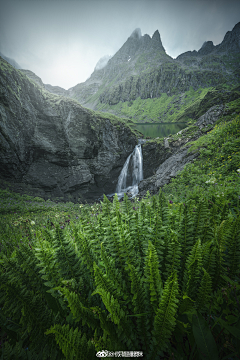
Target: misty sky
x,y
61,41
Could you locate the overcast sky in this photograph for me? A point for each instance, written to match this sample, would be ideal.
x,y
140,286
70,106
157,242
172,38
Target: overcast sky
x,y
61,41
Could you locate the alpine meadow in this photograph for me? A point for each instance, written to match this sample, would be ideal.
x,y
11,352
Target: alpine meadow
x,y
114,243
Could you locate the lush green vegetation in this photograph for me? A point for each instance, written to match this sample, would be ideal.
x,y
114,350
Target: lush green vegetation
x,y
185,107
163,108
170,287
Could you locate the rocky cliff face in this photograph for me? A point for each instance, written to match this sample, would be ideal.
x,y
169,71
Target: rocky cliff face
x,y
53,146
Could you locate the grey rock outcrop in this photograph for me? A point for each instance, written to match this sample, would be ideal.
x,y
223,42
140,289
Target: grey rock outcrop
x,y
55,148
56,90
31,75
171,161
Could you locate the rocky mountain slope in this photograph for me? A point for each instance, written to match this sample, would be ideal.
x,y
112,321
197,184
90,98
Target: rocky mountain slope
x,y
143,83
52,147
141,70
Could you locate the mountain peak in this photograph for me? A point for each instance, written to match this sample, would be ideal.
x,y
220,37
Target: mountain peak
x,y
156,36
231,41
157,39
136,34
207,48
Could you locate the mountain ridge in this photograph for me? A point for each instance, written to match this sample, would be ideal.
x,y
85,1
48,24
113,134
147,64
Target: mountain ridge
x,y
141,69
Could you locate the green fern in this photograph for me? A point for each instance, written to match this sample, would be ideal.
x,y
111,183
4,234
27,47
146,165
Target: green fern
x,y
173,254
232,240
73,344
193,270
153,277
165,319
204,292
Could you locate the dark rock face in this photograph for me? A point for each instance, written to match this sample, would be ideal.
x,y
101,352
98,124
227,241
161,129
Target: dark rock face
x,y
206,48
54,145
175,156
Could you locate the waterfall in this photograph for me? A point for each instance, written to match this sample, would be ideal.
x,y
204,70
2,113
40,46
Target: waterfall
x,y
131,174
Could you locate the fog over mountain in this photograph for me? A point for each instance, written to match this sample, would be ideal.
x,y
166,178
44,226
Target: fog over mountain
x,y
62,41
102,62
10,61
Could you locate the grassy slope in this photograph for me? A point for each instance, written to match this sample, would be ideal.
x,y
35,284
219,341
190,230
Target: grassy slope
x,y
164,109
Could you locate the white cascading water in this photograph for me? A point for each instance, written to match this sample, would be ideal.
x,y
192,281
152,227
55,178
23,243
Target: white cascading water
x,y
135,176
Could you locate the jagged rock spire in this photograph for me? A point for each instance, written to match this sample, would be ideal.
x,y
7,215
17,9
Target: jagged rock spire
x,y
156,38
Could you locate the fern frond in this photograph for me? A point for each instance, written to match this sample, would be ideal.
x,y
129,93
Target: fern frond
x,y
72,343
193,270
47,264
200,220
30,310
173,255
165,320
103,282
66,256
28,261
220,247
113,273
209,257
139,302
185,238
152,276
79,311
232,239
204,292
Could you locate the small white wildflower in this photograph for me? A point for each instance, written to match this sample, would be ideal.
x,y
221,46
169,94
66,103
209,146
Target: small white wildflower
x,y
211,181
32,222
238,170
